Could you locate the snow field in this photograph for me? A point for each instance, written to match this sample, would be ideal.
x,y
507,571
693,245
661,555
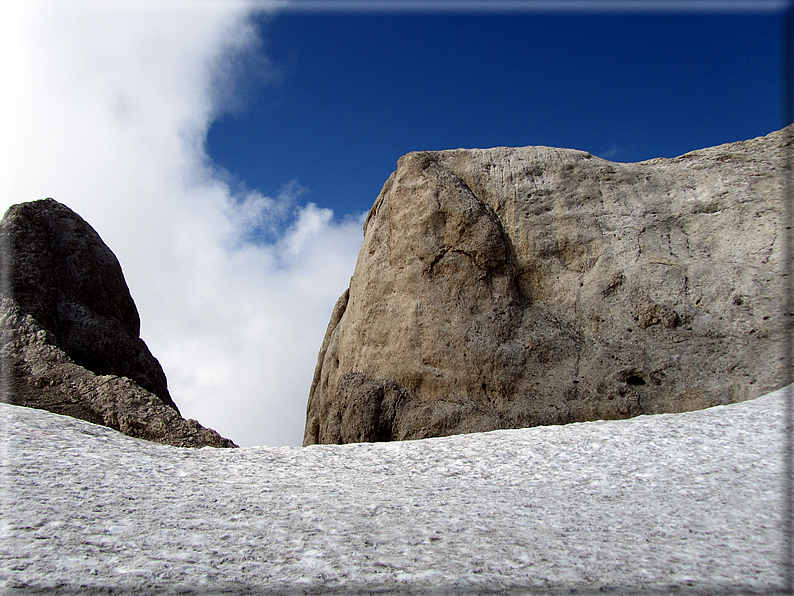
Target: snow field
x,y
676,503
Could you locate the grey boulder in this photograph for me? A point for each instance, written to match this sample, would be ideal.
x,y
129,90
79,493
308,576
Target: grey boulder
x,y
58,270
515,287
69,331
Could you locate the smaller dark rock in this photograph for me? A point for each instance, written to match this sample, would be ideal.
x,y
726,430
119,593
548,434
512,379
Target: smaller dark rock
x,y
69,331
58,270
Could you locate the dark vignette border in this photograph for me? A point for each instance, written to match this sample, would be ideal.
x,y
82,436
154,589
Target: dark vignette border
x,y
574,6
788,200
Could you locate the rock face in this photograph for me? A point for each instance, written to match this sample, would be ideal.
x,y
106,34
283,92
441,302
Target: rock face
x,y
504,288
69,281
70,328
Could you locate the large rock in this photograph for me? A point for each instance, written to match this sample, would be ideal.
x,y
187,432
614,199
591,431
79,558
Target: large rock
x,y
61,273
69,330
501,288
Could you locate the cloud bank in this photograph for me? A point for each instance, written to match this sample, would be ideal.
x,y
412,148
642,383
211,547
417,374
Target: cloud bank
x,y
105,108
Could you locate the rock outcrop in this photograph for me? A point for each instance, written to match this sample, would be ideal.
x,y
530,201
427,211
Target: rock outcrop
x,y
503,288
70,331
62,274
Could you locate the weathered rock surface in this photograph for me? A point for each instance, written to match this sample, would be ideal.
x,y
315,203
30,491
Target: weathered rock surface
x,y
69,329
63,275
514,287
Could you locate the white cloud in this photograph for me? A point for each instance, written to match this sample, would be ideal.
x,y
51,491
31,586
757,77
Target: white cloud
x,y
105,107
611,153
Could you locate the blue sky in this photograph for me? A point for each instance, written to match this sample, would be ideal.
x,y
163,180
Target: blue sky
x,y
225,150
350,93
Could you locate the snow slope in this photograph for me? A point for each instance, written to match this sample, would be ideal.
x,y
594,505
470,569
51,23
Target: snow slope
x,y
674,503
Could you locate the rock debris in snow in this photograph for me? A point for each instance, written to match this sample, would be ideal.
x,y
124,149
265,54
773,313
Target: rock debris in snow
x,y
671,503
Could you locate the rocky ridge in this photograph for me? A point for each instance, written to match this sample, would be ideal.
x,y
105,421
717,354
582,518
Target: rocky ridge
x,y
69,331
515,287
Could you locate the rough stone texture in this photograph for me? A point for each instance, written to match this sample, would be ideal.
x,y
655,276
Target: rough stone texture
x,y
38,374
86,359
59,271
505,287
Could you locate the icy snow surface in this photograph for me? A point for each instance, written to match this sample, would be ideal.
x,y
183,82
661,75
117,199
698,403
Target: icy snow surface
x,y
675,503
